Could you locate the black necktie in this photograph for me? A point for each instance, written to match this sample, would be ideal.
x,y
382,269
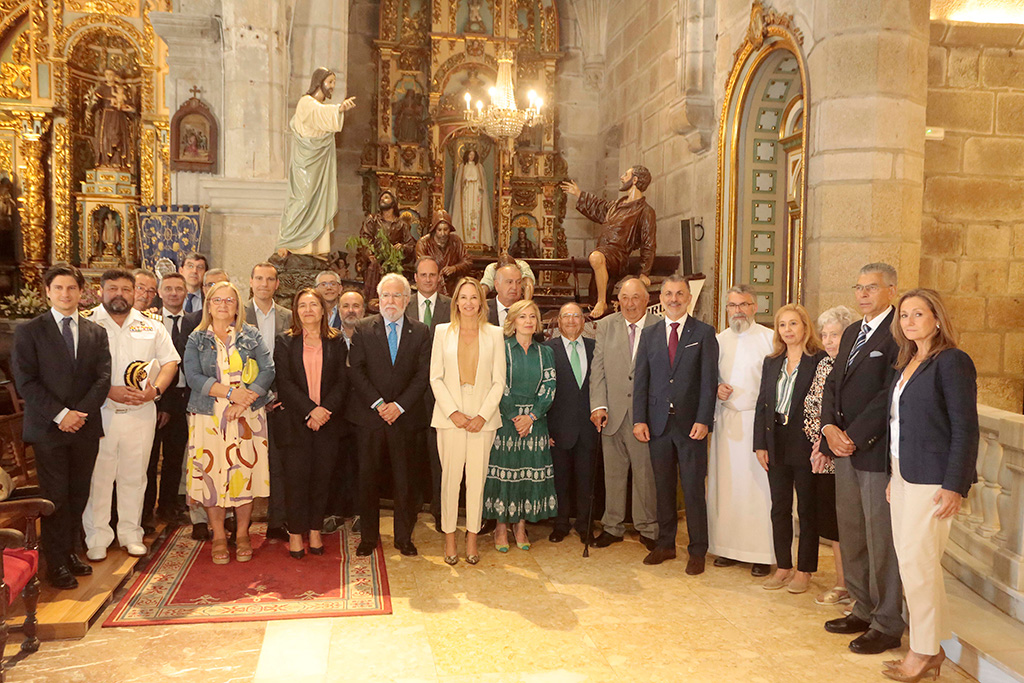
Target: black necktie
x,y
176,329
69,336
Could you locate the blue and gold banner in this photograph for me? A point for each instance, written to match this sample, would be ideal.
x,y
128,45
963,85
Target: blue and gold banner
x,y
169,232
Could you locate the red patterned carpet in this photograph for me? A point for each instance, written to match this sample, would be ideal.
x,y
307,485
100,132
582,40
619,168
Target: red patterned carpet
x,y
181,585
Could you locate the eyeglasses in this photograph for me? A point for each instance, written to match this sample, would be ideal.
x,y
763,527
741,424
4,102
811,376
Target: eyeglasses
x,y
870,289
143,290
736,307
325,285
218,300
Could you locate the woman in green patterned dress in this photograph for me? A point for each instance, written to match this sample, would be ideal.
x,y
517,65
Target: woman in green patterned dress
x,y
520,484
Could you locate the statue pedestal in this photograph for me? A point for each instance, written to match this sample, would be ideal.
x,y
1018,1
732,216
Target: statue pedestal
x,y
106,219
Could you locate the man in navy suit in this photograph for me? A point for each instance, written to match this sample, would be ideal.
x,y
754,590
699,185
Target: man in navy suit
x,y
573,434
390,368
61,365
674,390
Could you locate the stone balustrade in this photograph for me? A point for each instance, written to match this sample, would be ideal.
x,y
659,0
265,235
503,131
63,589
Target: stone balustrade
x,y
986,544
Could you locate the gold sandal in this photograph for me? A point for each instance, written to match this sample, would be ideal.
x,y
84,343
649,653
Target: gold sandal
x,y
220,552
243,549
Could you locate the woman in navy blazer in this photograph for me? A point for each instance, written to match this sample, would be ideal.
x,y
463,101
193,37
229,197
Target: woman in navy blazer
x,y
783,450
311,383
933,449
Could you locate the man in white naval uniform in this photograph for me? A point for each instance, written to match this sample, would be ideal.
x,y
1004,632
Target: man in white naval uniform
x,y
129,416
739,502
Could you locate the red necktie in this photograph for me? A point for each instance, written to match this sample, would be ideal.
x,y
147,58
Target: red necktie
x,y
673,343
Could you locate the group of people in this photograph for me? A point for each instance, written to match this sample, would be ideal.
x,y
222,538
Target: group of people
x,y
873,425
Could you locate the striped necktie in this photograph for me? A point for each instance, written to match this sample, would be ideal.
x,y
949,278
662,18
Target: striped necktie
x,y
862,339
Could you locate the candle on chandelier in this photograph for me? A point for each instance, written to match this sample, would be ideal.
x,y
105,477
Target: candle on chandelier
x,y
479,107
468,99
532,96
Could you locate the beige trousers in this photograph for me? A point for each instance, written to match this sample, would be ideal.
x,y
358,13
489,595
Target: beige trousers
x,y
920,539
462,452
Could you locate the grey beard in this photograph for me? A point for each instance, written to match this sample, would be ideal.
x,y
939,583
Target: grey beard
x,y
739,326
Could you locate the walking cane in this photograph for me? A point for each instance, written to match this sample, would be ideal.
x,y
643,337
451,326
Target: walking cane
x,y
593,487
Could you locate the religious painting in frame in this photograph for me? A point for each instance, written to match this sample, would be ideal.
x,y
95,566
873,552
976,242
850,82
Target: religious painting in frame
x,y
194,138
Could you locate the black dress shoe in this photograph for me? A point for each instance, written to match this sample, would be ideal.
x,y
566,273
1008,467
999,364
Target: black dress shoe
x,y
200,531
277,533
724,562
695,565
488,526
407,548
557,536
366,548
649,543
605,539
62,578
659,555
437,524
77,567
850,624
760,570
874,642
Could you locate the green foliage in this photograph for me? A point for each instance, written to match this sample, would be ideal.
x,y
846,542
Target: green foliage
x,y
389,258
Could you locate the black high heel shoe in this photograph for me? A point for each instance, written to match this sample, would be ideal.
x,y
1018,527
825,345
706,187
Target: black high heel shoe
x,y
299,554
316,551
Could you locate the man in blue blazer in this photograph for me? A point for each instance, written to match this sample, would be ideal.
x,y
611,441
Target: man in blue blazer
x,y
573,434
674,389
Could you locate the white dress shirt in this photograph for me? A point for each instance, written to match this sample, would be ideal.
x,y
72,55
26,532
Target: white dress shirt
x,y
679,330
502,313
59,317
422,306
876,322
894,418
581,349
639,328
266,323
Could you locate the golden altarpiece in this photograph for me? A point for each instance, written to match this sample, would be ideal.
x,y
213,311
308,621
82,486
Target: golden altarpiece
x,y
83,129
432,53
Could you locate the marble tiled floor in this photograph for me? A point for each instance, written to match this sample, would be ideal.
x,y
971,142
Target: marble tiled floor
x,y
542,616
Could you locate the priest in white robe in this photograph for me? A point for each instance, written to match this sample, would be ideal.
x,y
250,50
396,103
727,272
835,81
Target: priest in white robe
x,y
739,502
308,217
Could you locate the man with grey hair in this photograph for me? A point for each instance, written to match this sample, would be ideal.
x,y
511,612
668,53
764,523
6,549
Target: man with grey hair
x,y
328,283
389,367
855,423
739,501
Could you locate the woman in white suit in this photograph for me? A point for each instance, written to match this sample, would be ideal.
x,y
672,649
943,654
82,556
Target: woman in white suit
x,y
467,376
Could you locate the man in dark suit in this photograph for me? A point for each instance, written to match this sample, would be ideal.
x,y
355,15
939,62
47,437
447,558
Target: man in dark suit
x,y
390,366
573,434
508,289
855,423
263,313
674,390
61,365
432,308
171,422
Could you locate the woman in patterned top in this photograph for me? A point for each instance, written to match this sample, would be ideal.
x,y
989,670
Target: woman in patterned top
x,y
520,484
831,324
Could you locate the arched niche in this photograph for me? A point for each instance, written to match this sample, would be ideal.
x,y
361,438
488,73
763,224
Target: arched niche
x,y
762,145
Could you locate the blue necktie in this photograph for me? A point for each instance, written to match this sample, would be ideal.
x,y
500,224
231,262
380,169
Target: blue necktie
x,y
393,340
69,336
862,338
190,302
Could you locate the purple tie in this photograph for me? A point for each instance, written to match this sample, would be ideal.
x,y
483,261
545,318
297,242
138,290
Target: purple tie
x,y
673,343
632,337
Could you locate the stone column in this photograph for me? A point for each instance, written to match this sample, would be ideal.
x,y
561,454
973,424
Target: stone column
x,y
868,72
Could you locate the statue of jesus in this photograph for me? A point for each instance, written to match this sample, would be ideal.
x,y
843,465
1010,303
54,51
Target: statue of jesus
x,y
628,223
306,223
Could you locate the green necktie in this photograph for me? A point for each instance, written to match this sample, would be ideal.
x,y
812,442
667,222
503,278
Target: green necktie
x,y
428,317
574,361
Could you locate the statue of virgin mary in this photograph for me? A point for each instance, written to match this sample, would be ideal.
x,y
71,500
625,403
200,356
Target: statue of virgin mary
x,y
471,206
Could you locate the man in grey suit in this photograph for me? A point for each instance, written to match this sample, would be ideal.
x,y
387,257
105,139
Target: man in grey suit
x,y
611,398
431,308
271,320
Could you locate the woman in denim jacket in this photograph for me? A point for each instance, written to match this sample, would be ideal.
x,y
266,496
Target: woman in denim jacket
x,y
229,370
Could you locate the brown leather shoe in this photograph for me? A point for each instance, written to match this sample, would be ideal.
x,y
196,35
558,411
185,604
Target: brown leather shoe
x,y
659,555
695,565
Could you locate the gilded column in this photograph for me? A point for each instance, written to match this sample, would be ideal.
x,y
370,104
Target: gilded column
x,y
165,159
61,192
147,167
33,208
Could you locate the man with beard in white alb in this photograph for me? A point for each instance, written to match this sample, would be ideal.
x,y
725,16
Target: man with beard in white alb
x,y
739,502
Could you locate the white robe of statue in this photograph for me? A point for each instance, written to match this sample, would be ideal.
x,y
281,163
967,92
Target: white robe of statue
x,y
739,501
471,208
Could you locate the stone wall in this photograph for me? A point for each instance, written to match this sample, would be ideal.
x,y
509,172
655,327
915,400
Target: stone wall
x,y
972,238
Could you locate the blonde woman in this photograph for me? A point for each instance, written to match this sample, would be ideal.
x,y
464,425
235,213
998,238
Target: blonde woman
x,y
520,484
783,450
229,370
467,376
933,448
